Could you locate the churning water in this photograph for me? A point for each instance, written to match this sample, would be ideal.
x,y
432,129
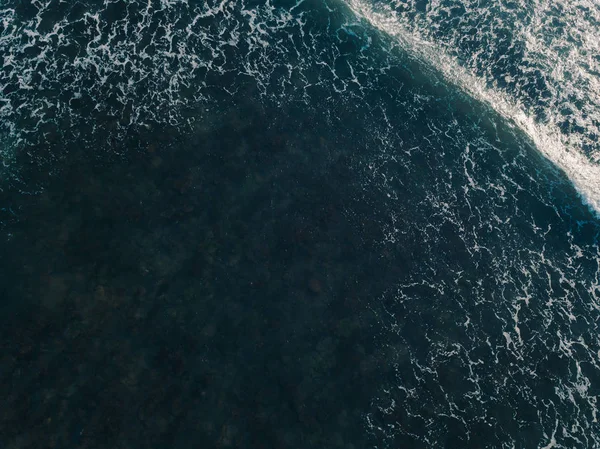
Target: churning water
x,y
336,223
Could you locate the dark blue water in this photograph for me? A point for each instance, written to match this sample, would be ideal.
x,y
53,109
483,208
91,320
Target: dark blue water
x,y
269,225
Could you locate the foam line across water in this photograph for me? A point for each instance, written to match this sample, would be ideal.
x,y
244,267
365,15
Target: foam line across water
x,y
549,140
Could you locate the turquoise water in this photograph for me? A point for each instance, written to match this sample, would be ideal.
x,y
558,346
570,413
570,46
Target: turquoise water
x,y
281,224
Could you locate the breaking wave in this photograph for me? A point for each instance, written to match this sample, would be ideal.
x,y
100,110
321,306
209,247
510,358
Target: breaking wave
x,y
548,85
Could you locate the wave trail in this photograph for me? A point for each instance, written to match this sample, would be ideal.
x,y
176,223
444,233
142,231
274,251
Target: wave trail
x,y
548,139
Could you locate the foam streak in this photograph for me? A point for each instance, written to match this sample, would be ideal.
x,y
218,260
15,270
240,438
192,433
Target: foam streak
x,y
584,174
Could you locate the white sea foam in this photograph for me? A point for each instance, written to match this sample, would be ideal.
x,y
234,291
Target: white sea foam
x,y
558,147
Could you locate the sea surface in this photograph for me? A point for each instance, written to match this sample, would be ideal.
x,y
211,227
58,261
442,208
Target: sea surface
x,y
299,224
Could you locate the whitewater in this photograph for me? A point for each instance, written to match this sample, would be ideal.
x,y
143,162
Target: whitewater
x,y
578,74
535,63
300,223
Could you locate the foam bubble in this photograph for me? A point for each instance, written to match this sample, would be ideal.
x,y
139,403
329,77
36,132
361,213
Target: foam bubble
x,y
558,147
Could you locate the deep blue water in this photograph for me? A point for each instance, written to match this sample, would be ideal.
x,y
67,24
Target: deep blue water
x,y
297,224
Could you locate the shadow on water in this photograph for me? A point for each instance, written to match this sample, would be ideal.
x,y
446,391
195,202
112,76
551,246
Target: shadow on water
x,y
206,288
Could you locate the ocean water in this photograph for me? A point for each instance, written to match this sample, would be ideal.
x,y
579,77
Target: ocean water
x,y
296,224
